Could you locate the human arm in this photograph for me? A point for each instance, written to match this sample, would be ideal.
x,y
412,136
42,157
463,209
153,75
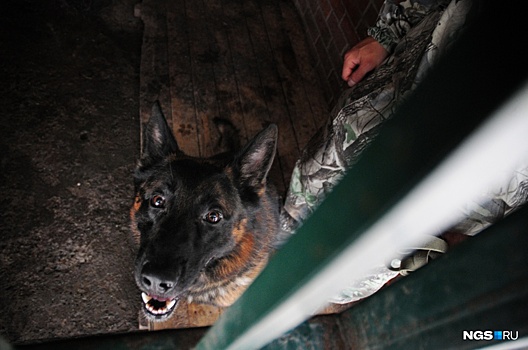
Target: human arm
x,y
394,21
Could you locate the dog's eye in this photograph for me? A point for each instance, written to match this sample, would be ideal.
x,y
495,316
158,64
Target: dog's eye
x,y
213,217
157,201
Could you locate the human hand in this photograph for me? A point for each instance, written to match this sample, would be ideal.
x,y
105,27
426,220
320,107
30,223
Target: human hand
x,y
361,59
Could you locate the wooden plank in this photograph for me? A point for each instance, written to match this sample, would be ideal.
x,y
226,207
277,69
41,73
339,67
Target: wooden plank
x,y
289,75
181,84
166,76
154,79
248,81
164,41
307,75
276,104
185,316
203,55
228,99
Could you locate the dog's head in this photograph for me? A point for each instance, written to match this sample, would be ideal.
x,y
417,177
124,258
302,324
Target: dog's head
x,y
192,217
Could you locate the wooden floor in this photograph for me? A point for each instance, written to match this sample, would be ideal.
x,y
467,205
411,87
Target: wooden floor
x,y
243,60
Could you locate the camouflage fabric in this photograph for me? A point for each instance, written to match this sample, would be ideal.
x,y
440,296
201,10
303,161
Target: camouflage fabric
x,y
495,204
356,118
416,33
396,18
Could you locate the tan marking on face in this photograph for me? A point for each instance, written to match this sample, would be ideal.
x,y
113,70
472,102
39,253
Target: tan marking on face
x,y
133,221
236,274
137,203
240,230
235,289
240,259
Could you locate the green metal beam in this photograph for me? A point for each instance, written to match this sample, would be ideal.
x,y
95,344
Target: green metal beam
x,y
481,284
450,104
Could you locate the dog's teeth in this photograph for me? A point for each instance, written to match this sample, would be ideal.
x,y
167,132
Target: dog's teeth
x,y
151,309
171,304
146,298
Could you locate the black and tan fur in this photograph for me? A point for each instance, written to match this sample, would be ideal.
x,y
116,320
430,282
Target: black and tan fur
x,y
205,227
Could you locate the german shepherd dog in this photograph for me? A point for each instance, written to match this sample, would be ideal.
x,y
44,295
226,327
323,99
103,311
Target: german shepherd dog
x,y
205,227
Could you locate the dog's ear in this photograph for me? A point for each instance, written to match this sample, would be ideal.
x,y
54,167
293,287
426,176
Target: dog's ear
x,y
158,140
254,161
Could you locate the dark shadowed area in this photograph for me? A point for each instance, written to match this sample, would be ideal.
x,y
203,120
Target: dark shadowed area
x,y
69,138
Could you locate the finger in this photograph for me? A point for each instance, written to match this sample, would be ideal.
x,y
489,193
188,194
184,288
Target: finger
x,y
349,64
358,74
348,68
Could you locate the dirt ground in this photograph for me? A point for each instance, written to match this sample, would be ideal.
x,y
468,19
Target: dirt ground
x,y
69,138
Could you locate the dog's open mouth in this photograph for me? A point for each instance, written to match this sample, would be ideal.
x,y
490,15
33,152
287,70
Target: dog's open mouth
x,y
157,306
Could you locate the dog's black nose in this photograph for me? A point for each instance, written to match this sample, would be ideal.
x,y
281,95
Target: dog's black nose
x,y
156,282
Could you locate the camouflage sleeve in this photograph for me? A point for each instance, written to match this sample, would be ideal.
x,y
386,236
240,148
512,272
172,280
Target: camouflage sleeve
x,y
396,18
